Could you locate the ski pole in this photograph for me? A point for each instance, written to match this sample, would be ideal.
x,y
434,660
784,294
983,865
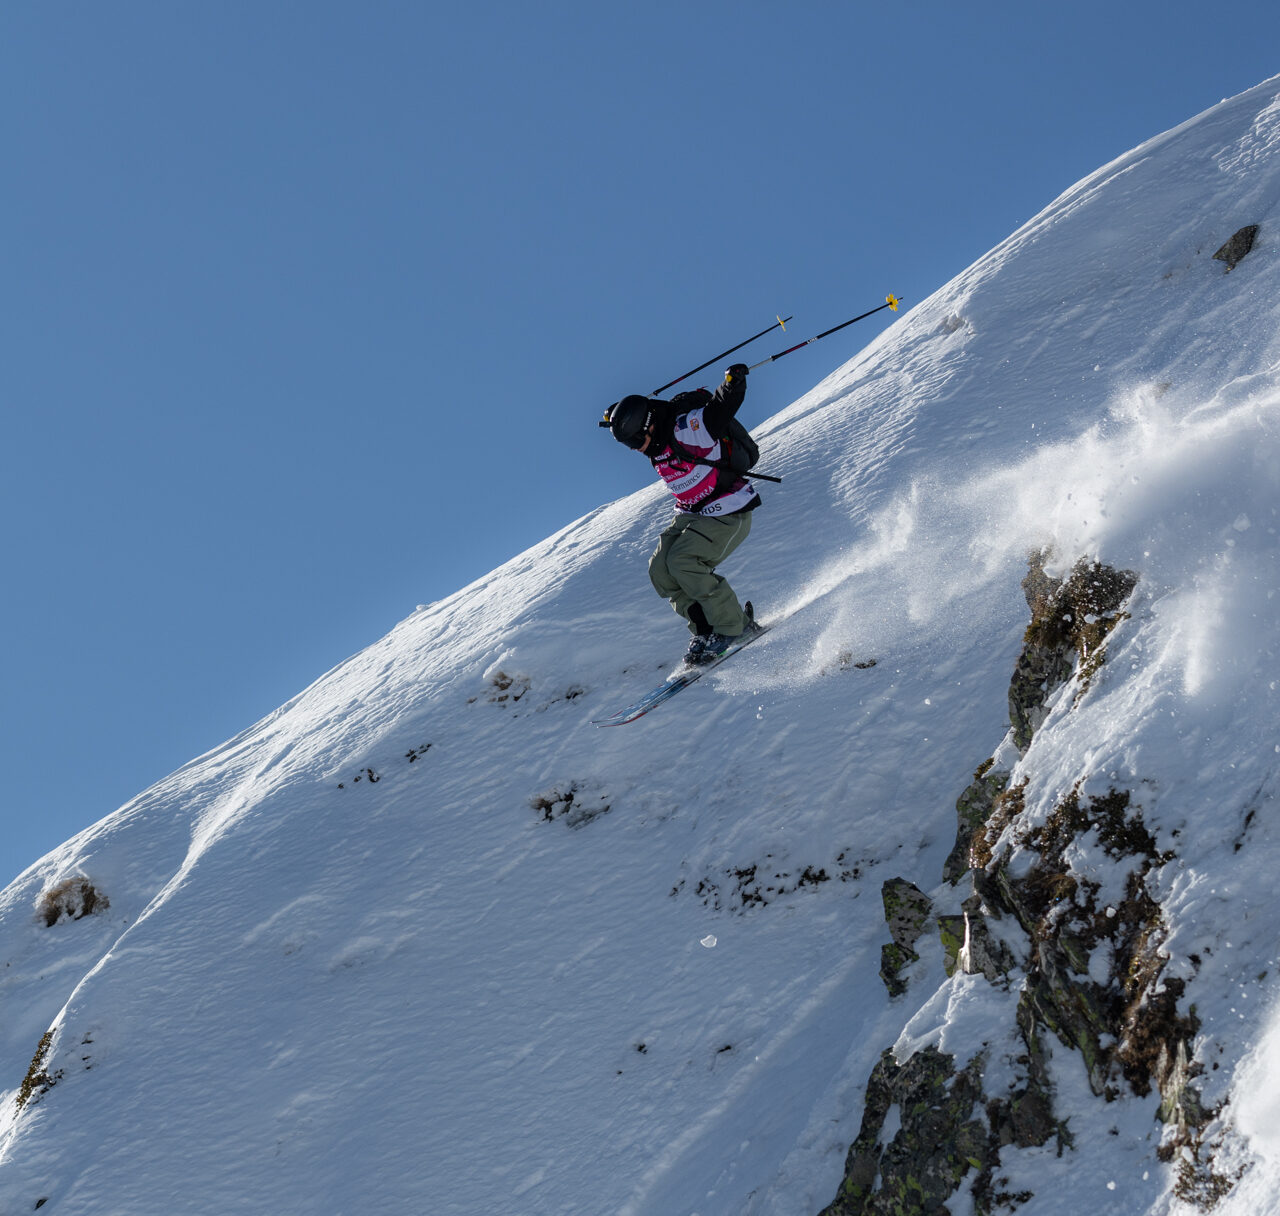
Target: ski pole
x,y
781,324
890,302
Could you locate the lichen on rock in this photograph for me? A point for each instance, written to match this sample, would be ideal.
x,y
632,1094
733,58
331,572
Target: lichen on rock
x,y
973,809
942,1135
907,911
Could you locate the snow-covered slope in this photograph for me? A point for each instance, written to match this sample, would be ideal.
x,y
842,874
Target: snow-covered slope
x,y
424,940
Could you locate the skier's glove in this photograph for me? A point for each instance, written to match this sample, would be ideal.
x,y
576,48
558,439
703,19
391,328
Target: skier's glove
x,y
737,372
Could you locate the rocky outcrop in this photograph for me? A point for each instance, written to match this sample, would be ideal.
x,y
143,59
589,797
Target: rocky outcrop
x,y
70,899
942,1135
1089,965
973,810
38,1079
907,912
1237,247
1106,1012
1070,621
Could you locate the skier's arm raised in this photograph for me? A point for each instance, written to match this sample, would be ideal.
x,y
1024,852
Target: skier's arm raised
x,y
726,401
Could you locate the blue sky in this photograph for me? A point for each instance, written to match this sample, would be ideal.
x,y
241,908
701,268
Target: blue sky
x,y
311,307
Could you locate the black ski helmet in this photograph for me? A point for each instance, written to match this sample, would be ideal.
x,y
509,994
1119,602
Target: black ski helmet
x,y
629,420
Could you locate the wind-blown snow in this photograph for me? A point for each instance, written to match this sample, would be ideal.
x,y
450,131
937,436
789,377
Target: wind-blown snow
x,y
424,940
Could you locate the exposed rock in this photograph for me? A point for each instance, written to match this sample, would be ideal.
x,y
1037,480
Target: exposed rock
x,y
981,953
951,929
907,910
1091,970
757,885
942,1135
1239,244
572,803
70,899
1069,624
505,688
1006,806
38,1079
973,809
1188,1139
894,959
1026,1117
1122,1024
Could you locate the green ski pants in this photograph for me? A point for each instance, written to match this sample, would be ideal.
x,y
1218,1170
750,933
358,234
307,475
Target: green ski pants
x,y
683,568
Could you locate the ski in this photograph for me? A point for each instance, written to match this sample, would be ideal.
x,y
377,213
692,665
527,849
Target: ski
x,y
674,683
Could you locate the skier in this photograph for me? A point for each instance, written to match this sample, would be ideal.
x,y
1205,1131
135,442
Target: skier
x,y
683,439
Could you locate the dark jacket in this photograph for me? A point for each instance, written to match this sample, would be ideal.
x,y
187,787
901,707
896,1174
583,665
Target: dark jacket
x,y
678,451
